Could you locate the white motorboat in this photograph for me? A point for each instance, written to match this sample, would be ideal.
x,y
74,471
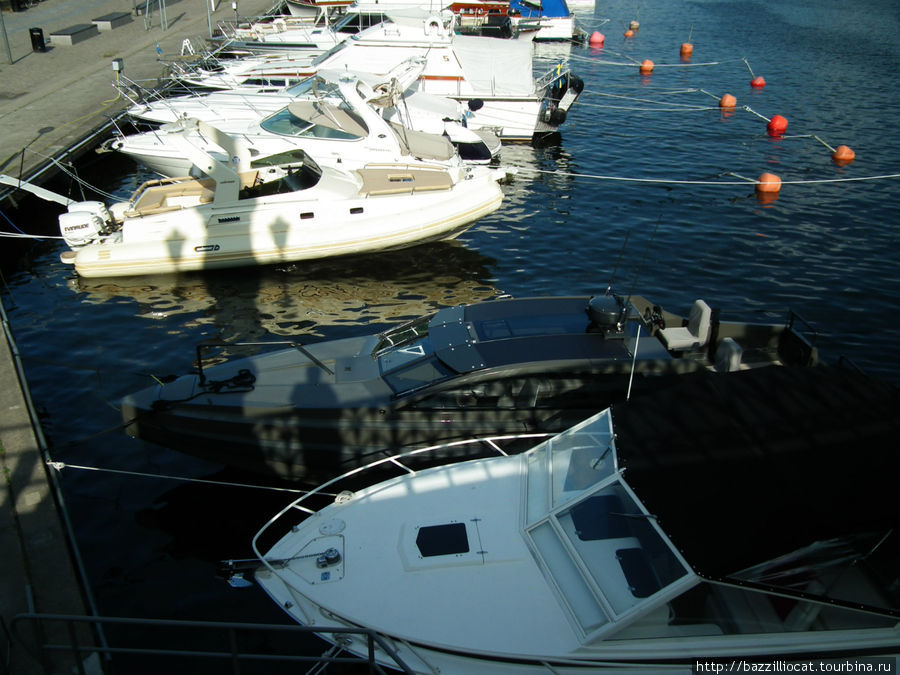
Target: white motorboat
x,y
243,213
494,78
235,110
337,128
720,520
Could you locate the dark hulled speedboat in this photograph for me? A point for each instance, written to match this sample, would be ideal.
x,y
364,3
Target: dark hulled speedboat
x,y
507,366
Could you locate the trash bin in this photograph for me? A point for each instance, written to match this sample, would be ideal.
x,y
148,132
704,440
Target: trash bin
x,y
37,40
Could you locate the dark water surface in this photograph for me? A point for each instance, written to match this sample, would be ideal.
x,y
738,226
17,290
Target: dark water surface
x,y
825,248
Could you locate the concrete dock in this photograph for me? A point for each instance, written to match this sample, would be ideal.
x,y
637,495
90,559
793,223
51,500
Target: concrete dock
x,y
50,102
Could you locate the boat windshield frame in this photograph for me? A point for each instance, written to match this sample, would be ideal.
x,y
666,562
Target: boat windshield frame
x,y
606,554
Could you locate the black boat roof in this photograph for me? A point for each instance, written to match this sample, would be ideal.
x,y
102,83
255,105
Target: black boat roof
x,y
503,332
740,467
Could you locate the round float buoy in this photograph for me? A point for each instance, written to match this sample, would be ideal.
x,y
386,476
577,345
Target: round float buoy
x,y
768,183
727,101
634,25
686,50
597,39
629,33
646,67
758,82
843,155
777,126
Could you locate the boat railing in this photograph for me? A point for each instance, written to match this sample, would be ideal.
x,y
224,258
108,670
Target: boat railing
x,y
235,643
551,75
396,461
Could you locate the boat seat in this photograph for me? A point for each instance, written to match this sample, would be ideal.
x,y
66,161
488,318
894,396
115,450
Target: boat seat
x,y
387,181
694,334
172,194
728,355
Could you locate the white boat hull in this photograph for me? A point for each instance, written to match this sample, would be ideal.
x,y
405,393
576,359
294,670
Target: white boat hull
x,y
285,228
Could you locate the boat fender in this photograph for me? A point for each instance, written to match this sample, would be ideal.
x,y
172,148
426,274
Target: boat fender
x,y
576,84
554,116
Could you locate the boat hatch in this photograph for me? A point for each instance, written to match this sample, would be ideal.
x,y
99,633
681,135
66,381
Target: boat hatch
x,y
605,553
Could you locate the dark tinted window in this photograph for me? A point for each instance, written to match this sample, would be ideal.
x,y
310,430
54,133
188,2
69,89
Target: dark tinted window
x,y
442,539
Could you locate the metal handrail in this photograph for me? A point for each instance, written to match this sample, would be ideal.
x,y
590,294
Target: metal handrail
x,y
228,629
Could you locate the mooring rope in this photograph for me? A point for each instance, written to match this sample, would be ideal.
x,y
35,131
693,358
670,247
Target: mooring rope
x,y
59,466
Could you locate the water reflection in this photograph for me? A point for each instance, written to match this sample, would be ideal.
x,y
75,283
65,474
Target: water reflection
x,y
307,299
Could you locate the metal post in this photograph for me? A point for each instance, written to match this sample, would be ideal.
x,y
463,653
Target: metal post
x,y
208,17
5,39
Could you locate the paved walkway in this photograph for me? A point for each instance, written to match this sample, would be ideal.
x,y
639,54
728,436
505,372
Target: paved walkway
x,y
49,100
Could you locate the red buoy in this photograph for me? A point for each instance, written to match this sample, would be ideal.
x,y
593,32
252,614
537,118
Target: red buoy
x,y
686,50
727,101
597,39
777,126
758,82
768,183
843,155
629,33
646,67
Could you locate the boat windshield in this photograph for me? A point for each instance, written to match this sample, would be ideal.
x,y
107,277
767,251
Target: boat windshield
x,y
312,119
406,357
605,552
404,333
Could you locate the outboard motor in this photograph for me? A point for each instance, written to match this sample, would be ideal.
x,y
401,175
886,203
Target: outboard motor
x,y
606,313
84,223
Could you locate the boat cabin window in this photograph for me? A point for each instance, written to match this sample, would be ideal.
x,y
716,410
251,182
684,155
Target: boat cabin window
x,y
446,539
301,178
605,553
419,374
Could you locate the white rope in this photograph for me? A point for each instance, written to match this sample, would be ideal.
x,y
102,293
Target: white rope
x,y
672,181
16,235
62,465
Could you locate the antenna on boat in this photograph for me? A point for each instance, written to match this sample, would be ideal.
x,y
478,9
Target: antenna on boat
x,y
618,261
643,260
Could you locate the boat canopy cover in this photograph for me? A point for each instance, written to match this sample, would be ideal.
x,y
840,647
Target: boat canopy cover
x,y
535,8
496,66
743,467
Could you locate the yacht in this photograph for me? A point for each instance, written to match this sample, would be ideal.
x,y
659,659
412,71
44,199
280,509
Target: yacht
x,y
304,411
749,517
336,127
239,212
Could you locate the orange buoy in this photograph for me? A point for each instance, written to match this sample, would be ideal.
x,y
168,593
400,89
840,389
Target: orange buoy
x,y
597,39
843,155
727,101
629,33
768,183
777,126
646,67
758,82
634,25
686,50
